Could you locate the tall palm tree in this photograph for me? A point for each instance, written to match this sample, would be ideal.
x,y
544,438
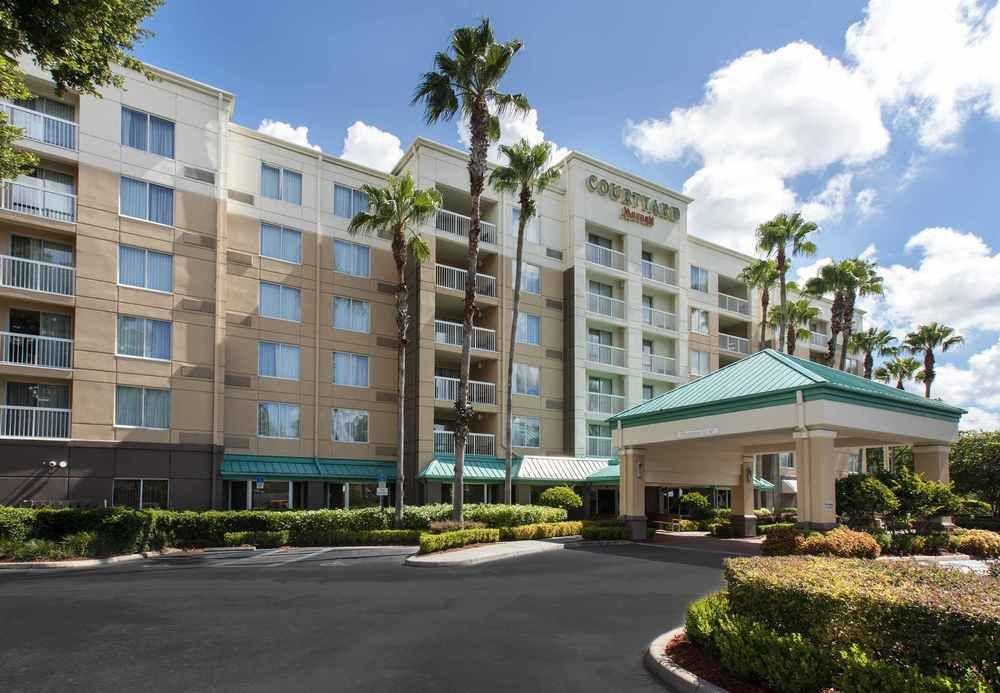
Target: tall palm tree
x,y
796,315
401,209
761,275
872,342
925,340
527,173
467,78
832,279
900,369
775,238
865,281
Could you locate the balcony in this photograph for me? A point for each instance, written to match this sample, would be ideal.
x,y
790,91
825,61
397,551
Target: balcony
x,y
458,225
818,340
37,201
659,365
31,350
446,389
606,306
599,255
728,342
659,273
451,333
734,304
33,275
605,354
454,278
604,405
40,127
660,319
34,422
475,443
598,446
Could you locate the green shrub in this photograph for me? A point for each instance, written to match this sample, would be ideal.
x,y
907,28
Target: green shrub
x,y
764,530
723,529
687,526
16,523
860,497
979,543
264,540
496,516
429,543
703,616
697,506
783,541
560,497
31,550
545,530
789,514
80,545
599,532
906,544
884,540
439,526
976,522
842,542
764,516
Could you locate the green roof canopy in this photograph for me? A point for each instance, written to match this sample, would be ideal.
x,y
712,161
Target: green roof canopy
x,y
269,467
526,470
762,484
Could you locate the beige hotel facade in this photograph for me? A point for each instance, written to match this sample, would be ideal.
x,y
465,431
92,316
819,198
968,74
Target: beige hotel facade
x,y
185,321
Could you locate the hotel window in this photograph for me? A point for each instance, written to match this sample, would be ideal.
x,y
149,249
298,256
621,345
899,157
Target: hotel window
x,y
599,241
699,362
531,278
281,184
140,493
532,230
647,393
348,201
43,192
351,258
699,321
786,460
280,301
349,426
280,243
145,269
526,380
351,314
146,201
529,329
600,288
143,338
275,360
854,463
147,132
350,369
526,432
140,407
277,420
699,279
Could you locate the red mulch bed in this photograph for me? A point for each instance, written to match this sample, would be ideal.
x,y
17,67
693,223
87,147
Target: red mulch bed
x,y
691,657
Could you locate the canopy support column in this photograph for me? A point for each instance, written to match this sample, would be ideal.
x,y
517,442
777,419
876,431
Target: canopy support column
x,y
632,502
743,519
931,461
815,462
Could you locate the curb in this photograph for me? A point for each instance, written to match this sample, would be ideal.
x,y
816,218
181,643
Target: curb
x,y
446,559
85,562
669,673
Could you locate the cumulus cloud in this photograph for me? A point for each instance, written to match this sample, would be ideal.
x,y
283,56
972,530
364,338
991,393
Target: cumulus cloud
x,y
367,145
513,128
867,202
975,387
286,131
807,272
829,204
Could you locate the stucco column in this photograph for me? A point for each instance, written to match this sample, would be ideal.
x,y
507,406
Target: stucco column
x,y
743,519
931,462
815,463
632,495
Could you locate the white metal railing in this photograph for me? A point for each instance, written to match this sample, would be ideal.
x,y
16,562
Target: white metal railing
x,y
33,422
475,443
37,201
605,256
33,275
454,278
446,332
734,304
729,342
34,350
40,127
818,339
659,273
606,354
659,365
599,403
479,392
599,447
660,319
605,305
458,225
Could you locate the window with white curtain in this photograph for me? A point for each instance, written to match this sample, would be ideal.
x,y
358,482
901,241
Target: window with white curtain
x,y
143,337
699,278
277,420
531,278
145,269
147,132
351,258
529,328
350,369
526,432
699,362
349,425
142,407
699,321
532,230
280,301
276,360
281,183
526,379
280,243
349,201
351,314
146,201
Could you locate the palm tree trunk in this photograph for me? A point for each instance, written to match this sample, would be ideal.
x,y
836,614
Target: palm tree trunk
x,y
402,323
899,384
509,418
782,268
765,302
835,326
792,339
928,372
847,327
869,362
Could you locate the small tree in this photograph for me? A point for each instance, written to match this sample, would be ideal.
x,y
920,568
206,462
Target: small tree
x,y
975,466
862,497
560,497
919,500
697,506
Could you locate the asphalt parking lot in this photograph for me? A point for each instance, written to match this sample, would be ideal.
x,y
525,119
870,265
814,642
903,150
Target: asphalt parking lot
x,y
349,619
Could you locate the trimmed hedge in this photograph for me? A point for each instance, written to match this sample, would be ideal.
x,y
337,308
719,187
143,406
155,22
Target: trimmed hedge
x,y
842,542
980,543
764,530
375,537
603,532
429,543
544,530
266,540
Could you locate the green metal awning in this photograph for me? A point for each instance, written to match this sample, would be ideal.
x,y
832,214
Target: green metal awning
x,y
529,469
609,474
762,484
477,468
322,468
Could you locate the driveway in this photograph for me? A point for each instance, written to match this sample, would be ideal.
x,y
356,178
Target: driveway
x,y
343,620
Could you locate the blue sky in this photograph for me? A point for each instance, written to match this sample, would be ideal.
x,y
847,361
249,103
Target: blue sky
x,y
880,120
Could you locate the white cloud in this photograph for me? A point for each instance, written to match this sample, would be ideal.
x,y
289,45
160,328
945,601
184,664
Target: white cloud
x,y
867,202
513,128
975,387
367,145
286,131
829,204
803,274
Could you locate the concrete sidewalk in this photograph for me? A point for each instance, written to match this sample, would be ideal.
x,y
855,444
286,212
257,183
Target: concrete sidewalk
x,y
487,553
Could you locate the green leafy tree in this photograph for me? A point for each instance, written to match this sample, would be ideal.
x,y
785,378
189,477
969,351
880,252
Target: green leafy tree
x,y
925,340
800,314
783,235
761,275
697,506
560,497
400,209
833,280
863,497
466,79
866,281
872,342
975,466
919,500
900,369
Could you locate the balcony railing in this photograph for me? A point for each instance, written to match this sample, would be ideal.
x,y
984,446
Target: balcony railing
x,y
38,202
728,342
32,275
734,304
454,278
458,225
605,305
606,354
599,403
659,273
599,447
33,422
33,350
451,333
659,365
40,127
660,319
480,392
818,339
605,256
475,443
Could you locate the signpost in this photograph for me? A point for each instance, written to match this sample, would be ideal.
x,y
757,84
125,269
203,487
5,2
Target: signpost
x,y
382,491
259,483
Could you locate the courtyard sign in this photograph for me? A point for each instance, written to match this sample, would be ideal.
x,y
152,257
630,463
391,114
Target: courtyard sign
x,y
636,207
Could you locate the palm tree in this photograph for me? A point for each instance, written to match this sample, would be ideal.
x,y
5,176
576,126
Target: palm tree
x,y
872,342
467,78
900,369
925,340
832,279
775,238
762,275
796,315
399,208
527,173
865,281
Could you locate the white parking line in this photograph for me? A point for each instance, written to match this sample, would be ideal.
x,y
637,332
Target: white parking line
x,y
695,549
300,557
244,559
